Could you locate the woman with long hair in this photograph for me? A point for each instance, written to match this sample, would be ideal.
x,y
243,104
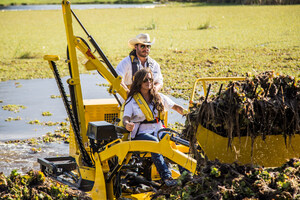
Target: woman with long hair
x,y
139,124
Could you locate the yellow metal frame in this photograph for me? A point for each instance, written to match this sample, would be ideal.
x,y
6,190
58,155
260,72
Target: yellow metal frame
x,y
204,80
118,148
75,80
93,63
270,152
122,149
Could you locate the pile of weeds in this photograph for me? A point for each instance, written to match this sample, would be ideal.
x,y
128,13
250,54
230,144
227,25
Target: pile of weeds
x,y
34,185
232,181
266,104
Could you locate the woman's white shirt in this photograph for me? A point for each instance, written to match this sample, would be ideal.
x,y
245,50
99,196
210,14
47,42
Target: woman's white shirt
x,y
136,115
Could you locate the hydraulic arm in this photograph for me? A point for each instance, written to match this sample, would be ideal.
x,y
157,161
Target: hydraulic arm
x,y
99,154
92,63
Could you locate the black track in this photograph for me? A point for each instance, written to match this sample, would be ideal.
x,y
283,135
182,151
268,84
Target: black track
x,y
74,123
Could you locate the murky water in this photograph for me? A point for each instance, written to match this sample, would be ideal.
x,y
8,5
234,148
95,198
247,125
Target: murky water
x,y
22,158
35,95
75,6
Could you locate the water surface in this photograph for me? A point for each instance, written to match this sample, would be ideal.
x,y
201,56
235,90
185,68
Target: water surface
x,y
35,95
75,6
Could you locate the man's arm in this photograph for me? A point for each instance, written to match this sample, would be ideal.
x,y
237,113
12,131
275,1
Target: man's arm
x,y
125,87
123,68
158,79
157,86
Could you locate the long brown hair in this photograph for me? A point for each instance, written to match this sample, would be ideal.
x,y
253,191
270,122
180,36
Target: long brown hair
x,y
139,77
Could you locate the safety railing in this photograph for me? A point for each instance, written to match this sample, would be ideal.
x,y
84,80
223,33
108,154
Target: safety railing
x,y
204,80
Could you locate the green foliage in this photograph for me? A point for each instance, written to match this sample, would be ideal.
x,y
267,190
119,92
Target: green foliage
x,y
245,39
215,172
235,181
206,25
26,55
34,185
32,2
151,26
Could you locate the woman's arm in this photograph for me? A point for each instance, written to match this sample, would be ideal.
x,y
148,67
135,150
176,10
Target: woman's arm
x,y
179,109
127,124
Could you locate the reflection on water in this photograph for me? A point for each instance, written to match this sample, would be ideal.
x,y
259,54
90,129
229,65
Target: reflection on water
x,y
35,95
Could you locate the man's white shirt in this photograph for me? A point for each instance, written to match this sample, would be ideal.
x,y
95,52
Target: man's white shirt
x,y
124,69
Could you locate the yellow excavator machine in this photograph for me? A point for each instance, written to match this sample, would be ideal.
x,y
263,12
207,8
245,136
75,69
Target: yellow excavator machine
x,y
102,161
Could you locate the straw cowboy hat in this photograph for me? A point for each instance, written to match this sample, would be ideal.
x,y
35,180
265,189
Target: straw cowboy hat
x,y
140,39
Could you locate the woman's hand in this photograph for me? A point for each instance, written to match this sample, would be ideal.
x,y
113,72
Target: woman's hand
x,y
180,109
129,126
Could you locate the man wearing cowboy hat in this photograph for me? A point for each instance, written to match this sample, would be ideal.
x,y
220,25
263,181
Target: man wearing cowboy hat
x,y
139,58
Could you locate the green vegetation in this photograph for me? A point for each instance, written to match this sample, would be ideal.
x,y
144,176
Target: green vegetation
x,y
13,119
240,39
32,2
34,185
46,113
61,134
223,181
244,2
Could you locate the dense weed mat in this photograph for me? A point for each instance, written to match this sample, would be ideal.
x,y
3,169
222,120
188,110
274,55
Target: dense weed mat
x,y
266,104
34,185
232,181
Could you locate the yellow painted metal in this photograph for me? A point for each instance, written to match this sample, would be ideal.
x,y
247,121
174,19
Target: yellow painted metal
x,y
51,57
99,189
163,147
144,196
73,148
87,173
93,63
74,69
181,148
204,80
269,153
101,110
155,175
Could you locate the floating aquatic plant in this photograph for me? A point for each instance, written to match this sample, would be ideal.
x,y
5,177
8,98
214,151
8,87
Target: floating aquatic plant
x,y
47,113
34,185
55,96
13,119
36,121
13,108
